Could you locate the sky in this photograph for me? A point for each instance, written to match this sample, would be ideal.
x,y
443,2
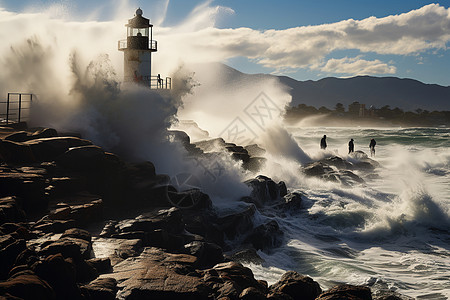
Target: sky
x,y
306,40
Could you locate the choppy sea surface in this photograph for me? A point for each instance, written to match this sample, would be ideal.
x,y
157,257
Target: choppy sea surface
x,y
390,233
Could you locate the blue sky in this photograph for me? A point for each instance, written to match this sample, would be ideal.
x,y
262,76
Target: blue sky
x,y
306,40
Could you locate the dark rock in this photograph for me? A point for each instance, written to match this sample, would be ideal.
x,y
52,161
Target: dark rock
x,y
68,247
266,236
291,201
255,150
155,275
252,293
48,149
14,152
102,265
10,211
27,285
208,254
316,169
278,296
254,164
19,136
27,257
265,190
60,273
78,234
101,289
190,199
337,162
345,291
44,133
129,248
83,158
237,223
240,275
10,249
29,188
246,256
297,286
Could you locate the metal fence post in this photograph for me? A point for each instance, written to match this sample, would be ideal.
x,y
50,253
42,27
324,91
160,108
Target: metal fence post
x,y
7,110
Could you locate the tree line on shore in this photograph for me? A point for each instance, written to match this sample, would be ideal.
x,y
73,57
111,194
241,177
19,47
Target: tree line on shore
x,y
358,112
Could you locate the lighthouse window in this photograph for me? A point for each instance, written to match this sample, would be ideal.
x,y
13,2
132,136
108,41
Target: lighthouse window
x,y
137,31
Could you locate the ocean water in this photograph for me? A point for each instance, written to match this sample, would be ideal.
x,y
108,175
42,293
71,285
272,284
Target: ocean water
x,y
390,233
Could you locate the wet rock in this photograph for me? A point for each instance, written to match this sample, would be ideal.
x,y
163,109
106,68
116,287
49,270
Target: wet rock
x,y
101,289
255,150
316,169
246,256
60,273
77,233
297,286
266,236
241,276
102,265
10,210
238,223
345,291
190,199
155,275
29,188
10,248
13,152
208,254
68,247
291,202
129,248
252,293
50,148
26,285
83,158
265,190
254,164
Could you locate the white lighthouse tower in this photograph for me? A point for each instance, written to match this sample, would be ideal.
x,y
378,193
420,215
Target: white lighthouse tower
x,y
137,49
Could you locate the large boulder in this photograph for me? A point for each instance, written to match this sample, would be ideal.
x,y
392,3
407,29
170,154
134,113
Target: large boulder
x,y
265,190
26,285
10,248
60,273
158,275
50,148
14,152
297,286
266,236
101,289
208,254
10,211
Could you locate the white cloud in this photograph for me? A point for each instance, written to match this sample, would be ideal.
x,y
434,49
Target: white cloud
x,y
427,28
357,66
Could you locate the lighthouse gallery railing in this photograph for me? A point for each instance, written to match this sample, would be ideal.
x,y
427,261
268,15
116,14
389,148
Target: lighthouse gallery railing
x,y
152,45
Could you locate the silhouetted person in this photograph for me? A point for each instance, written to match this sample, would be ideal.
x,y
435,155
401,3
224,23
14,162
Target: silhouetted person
x,y
351,146
372,147
323,142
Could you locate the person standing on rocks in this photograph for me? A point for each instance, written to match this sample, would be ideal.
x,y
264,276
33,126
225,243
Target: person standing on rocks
x,y
372,147
323,143
351,146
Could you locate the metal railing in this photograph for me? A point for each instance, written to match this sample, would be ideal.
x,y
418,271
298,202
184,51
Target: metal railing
x,y
123,45
154,82
16,107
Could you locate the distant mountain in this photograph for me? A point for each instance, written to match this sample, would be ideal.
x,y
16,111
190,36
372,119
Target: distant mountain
x,y
407,94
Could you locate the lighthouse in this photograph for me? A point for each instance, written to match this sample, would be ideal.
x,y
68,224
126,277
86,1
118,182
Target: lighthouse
x,y
137,54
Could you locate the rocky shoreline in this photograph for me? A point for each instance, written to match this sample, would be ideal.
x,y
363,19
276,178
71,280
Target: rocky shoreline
x,y
77,222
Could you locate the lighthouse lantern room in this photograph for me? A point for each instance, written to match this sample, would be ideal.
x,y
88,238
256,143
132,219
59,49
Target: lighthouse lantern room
x,y
137,49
